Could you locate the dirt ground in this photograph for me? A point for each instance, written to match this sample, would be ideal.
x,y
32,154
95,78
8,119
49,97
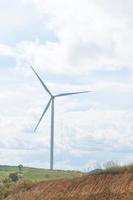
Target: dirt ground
x,y
92,187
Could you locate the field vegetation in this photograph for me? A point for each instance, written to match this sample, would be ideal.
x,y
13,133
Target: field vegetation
x,y
112,167
15,179
112,182
36,174
8,187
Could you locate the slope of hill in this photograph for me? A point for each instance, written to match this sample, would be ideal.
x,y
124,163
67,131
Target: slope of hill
x,y
91,187
37,174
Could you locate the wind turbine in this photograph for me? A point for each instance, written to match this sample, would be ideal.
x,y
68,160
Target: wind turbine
x,y
51,101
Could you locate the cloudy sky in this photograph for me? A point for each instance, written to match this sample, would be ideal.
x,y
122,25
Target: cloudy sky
x,y
73,45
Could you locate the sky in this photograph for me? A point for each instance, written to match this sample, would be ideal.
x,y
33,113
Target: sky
x,y
73,45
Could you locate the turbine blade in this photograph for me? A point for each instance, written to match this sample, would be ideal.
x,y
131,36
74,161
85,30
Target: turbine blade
x,y
45,87
72,93
45,110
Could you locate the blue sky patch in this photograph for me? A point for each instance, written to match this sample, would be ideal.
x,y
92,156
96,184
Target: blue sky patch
x,y
7,62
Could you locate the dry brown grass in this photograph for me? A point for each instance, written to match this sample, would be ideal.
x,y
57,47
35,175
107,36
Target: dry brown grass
x,y
92,187
9,188
114,168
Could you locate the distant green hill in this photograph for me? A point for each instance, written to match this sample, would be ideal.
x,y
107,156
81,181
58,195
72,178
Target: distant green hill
x,y
37,174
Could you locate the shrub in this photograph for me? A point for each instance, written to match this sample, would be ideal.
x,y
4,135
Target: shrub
x,y
14,177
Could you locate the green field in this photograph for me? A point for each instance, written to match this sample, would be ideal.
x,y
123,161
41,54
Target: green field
x,y
37,174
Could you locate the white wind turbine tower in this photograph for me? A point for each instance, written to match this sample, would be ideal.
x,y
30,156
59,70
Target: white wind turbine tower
x,y
51,101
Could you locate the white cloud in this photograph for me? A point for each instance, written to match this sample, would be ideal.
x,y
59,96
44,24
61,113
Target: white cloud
x,y
6,50
89,36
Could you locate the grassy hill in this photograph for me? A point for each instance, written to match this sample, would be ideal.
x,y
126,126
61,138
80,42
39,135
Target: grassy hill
x,y
37,174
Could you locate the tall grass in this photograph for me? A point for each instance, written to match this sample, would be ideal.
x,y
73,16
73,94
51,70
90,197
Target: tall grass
x,y
8,187
114,168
